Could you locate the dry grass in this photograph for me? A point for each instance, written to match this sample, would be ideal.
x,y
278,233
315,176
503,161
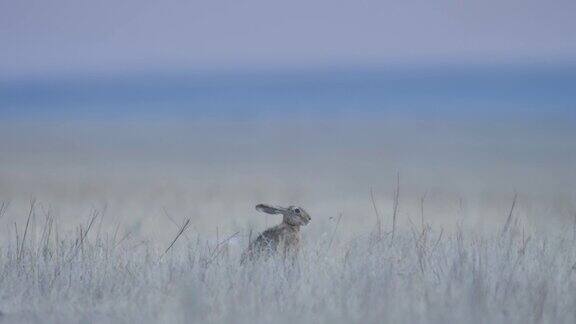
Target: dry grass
x,y
420,274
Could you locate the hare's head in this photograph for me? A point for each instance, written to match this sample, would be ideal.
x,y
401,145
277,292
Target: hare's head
x,y
292,215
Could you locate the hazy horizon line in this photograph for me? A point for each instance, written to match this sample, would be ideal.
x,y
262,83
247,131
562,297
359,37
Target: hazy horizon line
x,y
302,69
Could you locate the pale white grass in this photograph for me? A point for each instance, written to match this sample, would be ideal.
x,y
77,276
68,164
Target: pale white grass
x,y
421,275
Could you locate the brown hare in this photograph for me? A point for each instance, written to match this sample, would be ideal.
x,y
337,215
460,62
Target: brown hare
x,y
283,238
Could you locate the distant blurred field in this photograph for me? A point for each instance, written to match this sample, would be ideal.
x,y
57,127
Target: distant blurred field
x,y
215,172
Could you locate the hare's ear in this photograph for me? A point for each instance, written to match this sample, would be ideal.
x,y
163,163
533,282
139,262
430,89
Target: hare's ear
x,y
269,209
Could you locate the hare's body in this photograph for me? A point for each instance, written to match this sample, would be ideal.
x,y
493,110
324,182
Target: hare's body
x,y
283,238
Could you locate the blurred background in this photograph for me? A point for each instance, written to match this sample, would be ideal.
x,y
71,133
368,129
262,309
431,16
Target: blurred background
x,y
202,109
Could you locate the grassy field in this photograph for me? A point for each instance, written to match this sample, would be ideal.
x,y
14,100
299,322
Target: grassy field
x,y
416,274
89,214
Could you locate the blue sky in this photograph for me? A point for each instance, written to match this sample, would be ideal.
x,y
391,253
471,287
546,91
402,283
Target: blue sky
x,y
109,59
57,37
501,92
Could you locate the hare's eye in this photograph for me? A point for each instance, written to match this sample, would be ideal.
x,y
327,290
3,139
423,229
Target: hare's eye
x,y
297,210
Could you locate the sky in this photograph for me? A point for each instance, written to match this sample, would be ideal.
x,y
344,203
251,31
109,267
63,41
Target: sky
x,y
57,37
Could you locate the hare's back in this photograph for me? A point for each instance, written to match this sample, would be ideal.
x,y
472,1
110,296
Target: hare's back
x,y
269,237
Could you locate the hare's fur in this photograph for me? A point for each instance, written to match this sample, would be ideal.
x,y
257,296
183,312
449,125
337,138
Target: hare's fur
x,y
283,238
